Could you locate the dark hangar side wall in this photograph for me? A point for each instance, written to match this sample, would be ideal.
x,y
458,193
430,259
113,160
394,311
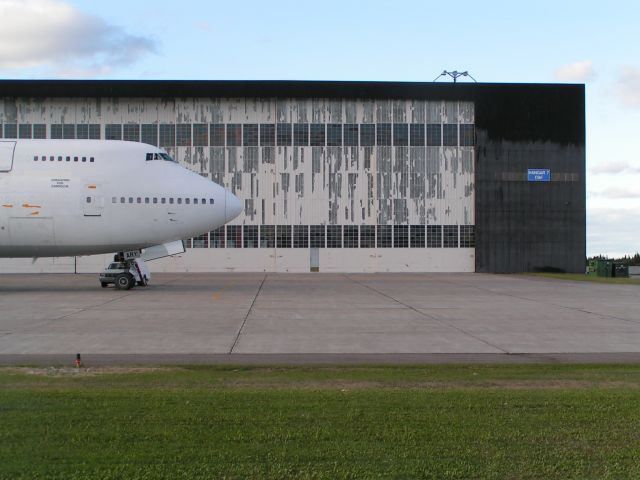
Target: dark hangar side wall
x,y
520,225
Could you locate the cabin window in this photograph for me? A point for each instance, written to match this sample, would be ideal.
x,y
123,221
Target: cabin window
x,y
130,199
146,199
84,159
52,158
75,159
187,201
155,199
211,201
204,201
35,159
114,200
139,200
59,159
91,159
88,199
163,200
43,158
179,201
171,200
121,199
195,201
68,159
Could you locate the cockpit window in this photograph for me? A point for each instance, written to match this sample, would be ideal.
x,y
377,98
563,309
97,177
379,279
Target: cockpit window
x,y
160,156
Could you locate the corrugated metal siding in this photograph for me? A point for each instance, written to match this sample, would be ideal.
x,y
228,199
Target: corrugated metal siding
x,y
301,185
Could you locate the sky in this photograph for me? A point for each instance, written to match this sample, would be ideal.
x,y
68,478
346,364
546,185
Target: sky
x,y
595,43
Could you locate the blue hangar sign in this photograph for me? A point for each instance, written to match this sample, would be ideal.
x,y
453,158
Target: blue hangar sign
x,y
538,175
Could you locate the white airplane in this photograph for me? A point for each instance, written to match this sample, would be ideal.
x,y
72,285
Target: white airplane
x,y
84,197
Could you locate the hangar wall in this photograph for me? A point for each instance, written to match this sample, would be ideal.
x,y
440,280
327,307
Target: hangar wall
x,y
356,185
514,225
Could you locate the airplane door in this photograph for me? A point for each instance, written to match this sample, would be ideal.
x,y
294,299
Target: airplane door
x,y
6,156
92,200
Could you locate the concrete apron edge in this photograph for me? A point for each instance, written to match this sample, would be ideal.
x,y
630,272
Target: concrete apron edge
x,y
102,360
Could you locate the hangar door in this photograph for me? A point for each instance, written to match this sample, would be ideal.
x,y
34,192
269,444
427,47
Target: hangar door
x,y
6,155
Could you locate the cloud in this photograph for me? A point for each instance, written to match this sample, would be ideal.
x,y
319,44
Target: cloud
x,y
613,230
628,87
617,193
576,72
54,34
615,168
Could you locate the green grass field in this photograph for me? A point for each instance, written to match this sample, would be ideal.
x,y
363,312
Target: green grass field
x,y
581,277
436,421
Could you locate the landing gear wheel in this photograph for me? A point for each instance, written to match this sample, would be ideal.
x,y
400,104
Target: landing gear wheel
x,y
104,285
124,281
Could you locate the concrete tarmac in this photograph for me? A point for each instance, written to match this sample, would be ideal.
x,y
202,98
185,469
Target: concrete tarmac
x,y
317,318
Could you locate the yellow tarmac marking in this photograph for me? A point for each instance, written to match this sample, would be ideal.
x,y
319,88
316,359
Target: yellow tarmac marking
x,y
26,205
34,213
7,205
218,294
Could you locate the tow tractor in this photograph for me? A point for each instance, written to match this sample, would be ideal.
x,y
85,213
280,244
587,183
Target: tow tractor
x,y
125,272
129,268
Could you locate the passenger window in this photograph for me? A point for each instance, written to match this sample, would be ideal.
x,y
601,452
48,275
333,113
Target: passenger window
x,y
179,201
114,200
68,159
59,159
155,199
171,200
75,159
35,159
204,201
52,158
211,201
88,199
43,158
121,199
130,199
163,200
84,159
146,199
195,201
91,159
139,200
187,201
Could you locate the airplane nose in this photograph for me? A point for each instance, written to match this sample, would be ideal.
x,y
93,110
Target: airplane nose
x,y
232,207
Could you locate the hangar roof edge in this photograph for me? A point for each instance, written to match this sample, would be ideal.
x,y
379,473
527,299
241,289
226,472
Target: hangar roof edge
x,y
275,88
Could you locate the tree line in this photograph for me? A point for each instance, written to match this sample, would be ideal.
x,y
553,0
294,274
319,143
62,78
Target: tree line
x,y
626,260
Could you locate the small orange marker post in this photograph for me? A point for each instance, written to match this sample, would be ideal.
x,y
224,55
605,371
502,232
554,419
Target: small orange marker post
x,y
78,361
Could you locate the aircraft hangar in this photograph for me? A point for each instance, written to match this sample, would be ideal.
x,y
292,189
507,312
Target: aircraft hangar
x,y
346,176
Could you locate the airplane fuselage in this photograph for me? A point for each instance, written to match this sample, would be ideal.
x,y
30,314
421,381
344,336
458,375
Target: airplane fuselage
x,y
81,197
